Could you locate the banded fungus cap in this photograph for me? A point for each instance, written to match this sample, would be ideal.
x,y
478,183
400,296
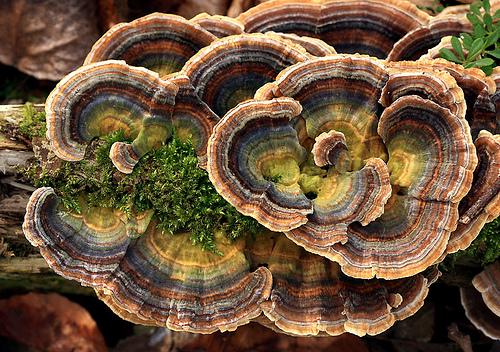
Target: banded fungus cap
x,y
159,42
314,46
220,26
106,96
367,27
478,90
419,40
231,69
426,145
482,204
310,296
482,301
155,279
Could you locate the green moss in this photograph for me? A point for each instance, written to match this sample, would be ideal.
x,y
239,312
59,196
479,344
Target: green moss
x,y
486,247
33,123
166,180
484,250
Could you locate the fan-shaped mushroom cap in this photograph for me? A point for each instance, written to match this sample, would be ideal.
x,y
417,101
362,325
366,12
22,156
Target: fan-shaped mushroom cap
x,y
252,146
431,157
488,283
314,46
435,52
159,42
479,314
330,149
192,119
339,92
160,279
220,26
418,41
482,302
482,203
477,87
310,296
343,199
368,27
231,69
103,97
410,78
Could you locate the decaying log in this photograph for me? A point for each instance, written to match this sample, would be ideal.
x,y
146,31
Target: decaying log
x,y
21,273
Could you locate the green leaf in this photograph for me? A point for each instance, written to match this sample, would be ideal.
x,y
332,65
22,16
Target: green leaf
x,y
486,61
475,8
488,21
492,38
474,19
495,53
486,6
449,55
466,40
496,15
476,47
478,31
488,70
457,46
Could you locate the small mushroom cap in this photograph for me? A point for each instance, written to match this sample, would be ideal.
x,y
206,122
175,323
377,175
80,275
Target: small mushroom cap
x,y
477,87
330,148
418,41
488,283
220,26
416,78
479,314
339,92
159,42
154,279
344,199
482,203
192,119
310,296
314,46
104,97
250,146
367,27
231,69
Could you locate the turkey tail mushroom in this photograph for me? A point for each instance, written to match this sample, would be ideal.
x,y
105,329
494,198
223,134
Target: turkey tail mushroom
x,y
154,279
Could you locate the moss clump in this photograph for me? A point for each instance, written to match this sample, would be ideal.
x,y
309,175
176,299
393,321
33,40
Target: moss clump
x,y
166,180
33,123
486,247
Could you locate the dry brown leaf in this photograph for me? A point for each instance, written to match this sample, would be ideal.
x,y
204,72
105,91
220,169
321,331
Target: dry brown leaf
x,y
49,322
47,38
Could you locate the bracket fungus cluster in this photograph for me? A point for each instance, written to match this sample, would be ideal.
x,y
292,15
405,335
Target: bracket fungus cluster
x,y
360,168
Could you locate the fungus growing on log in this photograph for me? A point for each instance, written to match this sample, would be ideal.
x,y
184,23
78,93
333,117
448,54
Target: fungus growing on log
x,y
482,301
310,296
158,278
103,97
231,69
334,210
418,41
159,42
366,27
